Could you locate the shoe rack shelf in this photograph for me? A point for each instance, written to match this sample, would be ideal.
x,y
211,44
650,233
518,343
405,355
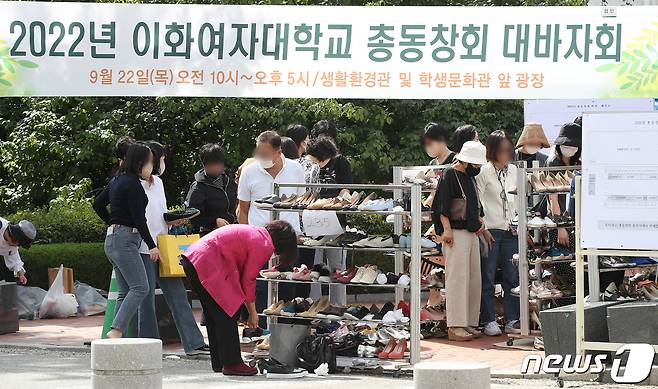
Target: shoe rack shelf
x,y
526,198
384,286
371,249
415,215
591,255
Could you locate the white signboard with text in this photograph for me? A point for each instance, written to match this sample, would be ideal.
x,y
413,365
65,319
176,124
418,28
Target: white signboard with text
x,y
619,196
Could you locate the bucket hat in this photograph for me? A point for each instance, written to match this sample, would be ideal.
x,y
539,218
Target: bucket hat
x,y
473,152
533,133
571,134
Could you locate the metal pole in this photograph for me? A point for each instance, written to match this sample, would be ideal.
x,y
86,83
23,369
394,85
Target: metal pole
x,y
398,229
414,323
522,198
580,278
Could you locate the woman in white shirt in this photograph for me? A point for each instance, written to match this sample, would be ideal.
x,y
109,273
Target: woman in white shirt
x,y
494,182
173,289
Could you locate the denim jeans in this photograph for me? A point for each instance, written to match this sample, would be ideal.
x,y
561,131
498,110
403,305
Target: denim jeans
x,y
122,250
505,245
175,295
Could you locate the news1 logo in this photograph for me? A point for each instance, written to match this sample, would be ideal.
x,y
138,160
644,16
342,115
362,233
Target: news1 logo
x,y
638,364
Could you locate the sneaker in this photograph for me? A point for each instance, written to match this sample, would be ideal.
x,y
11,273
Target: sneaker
x,y
404,280
492,329
369,275
239,369
536,222
549,223
277,370
183,214
513,327
203,350
359,274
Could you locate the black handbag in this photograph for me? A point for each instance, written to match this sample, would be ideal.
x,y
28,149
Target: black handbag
x,y
313,351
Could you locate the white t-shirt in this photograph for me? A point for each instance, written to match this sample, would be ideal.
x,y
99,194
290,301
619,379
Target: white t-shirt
x,y
155,210
10,253
256,183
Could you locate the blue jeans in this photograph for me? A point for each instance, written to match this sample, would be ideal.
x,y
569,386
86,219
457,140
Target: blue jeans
x,y
122,250
175,295
504,247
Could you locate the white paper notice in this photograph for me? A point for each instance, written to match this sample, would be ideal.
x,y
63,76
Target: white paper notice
x,y
320,223
619,196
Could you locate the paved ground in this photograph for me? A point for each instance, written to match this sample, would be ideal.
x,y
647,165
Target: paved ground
x,y
35,369
75,332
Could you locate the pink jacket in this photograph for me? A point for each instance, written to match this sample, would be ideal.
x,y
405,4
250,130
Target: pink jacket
x,y
228,261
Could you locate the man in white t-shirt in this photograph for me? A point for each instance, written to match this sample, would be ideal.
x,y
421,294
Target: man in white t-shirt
x,y
257,181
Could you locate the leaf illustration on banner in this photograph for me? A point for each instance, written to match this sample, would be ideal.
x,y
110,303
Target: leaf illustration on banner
x,y
10,67
638,67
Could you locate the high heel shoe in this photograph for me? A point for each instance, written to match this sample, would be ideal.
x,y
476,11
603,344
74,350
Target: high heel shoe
x,y
400,349
536,184
390,346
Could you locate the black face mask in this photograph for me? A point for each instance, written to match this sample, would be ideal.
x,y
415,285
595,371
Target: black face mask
x,y
472,170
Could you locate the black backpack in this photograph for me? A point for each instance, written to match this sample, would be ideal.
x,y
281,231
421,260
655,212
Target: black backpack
x,y
314,351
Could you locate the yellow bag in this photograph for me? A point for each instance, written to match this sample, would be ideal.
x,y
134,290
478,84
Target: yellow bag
x,y
171,246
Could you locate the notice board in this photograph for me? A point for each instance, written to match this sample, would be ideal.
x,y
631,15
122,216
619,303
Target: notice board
x,y
619,197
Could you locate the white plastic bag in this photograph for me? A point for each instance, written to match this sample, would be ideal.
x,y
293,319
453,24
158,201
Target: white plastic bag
x,y
58,304
90,301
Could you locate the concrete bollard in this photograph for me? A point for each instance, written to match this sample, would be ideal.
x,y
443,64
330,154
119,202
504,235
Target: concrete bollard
x,y
451,375
126,363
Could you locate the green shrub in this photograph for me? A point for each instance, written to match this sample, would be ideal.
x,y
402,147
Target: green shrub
x,y
65,222
87,260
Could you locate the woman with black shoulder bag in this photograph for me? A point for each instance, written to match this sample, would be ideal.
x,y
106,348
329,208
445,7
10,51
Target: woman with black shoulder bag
x,y
460,215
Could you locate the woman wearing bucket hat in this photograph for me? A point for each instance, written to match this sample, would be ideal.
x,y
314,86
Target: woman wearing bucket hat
x,y
568,147
460,213
532,140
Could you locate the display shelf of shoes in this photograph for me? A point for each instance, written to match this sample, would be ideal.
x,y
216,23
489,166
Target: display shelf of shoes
x,y
424,251
358,285
609,269
528,195
415,216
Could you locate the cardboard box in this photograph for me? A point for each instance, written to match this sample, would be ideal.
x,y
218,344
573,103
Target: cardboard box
x,y
67,277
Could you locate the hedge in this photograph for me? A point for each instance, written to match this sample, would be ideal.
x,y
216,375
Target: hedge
x,y
87,260
72,222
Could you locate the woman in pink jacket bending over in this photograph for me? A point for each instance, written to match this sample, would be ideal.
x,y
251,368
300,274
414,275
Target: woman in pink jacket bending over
x,y
222,269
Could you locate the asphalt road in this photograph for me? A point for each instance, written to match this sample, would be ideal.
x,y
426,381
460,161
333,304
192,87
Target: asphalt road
x,y
44,369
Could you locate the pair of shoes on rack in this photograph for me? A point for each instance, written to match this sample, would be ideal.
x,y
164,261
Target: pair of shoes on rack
x,y
395,349
550,182
539,222
375,242
426,243
616,262
365,275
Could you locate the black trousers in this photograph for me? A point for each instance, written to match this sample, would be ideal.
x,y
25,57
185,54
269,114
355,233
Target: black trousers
x,y
222,328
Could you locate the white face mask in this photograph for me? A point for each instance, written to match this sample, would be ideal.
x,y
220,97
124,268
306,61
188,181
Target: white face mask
x,y
265,163
531,150
146,171
568,151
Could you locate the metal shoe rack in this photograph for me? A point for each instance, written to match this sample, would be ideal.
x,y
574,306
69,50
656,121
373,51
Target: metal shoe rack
x,y
415,215
526,198
399,174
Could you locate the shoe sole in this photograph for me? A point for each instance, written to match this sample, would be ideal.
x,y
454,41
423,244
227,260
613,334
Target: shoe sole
x,y
286,376
198,353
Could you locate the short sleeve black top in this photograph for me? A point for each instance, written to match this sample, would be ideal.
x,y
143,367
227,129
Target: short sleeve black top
x,y
449,189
